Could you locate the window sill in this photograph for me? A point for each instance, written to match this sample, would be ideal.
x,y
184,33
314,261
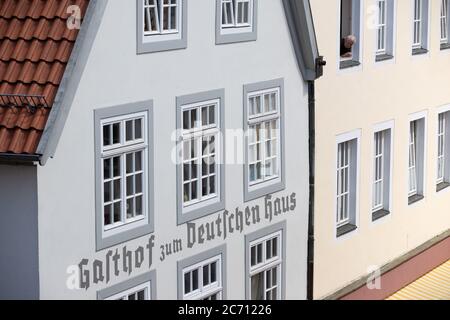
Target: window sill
x,y
415,198
377,215
445,46
346,229
383,57
419,51
348,64
441,186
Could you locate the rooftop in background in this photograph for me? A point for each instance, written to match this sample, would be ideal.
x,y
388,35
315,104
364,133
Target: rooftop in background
x,y
35,47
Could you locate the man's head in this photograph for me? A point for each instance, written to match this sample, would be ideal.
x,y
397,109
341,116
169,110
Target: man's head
x,y
349,41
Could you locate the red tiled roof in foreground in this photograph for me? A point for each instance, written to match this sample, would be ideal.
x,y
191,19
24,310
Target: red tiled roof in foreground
x,y
35,46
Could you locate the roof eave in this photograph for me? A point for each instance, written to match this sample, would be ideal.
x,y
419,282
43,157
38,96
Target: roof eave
x,y
301,26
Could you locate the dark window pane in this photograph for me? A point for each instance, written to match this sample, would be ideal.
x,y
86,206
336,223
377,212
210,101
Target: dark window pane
x,y
257,288
195,279
139,183
204,116
186,125
212,185
116,133
107,169
212,114
129,163
206,275
129,130
275,247
107,215
116,167
138,161
187,283
253,256
107,192
106,135
139,205
130,208
194,190
117,209
194,118
259,249
141,295
132,297
138,129
130,186
213,272
117,191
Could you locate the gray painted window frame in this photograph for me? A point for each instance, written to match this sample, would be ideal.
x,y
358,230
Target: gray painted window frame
x,y
185,263
238,36
281,226
148,228
204,210
130,283
270,186
160,45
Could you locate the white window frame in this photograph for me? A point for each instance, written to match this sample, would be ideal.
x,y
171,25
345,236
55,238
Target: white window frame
x,y
444,23
353,139
235,26
121,149
381,27
357,28
159,6
204,291
264,119
442,137
198,134
420,26
267,265
417,159
412,168
443,149
381,208
379,170
343,188
146,287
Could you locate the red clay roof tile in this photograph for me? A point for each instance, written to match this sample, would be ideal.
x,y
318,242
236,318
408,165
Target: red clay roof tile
x,y
35,46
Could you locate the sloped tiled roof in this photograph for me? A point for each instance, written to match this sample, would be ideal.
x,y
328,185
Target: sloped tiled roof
x,y
35,47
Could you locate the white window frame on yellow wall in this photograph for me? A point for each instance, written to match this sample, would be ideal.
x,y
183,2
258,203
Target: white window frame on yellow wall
x,y
416,160
347,171
381,199
420,26
443,149
444,24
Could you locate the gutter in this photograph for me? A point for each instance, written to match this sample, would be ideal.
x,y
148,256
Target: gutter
x,y
320,63
19,158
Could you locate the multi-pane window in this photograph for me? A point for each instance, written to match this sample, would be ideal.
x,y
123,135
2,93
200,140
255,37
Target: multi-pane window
x,y
418,24
382,26
378,184
123,166
381,182
200,147
203,281
441,148
343,184
161,16
141,292
347,158
263,136
443,155
236,13
265,267
412,190
444,21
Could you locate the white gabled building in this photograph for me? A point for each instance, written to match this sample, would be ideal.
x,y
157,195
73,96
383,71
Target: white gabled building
x,y
132,178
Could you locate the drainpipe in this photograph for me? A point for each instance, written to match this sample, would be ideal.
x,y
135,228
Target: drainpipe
x,y
320,63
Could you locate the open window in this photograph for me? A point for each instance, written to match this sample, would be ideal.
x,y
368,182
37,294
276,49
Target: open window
x,y
350,33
